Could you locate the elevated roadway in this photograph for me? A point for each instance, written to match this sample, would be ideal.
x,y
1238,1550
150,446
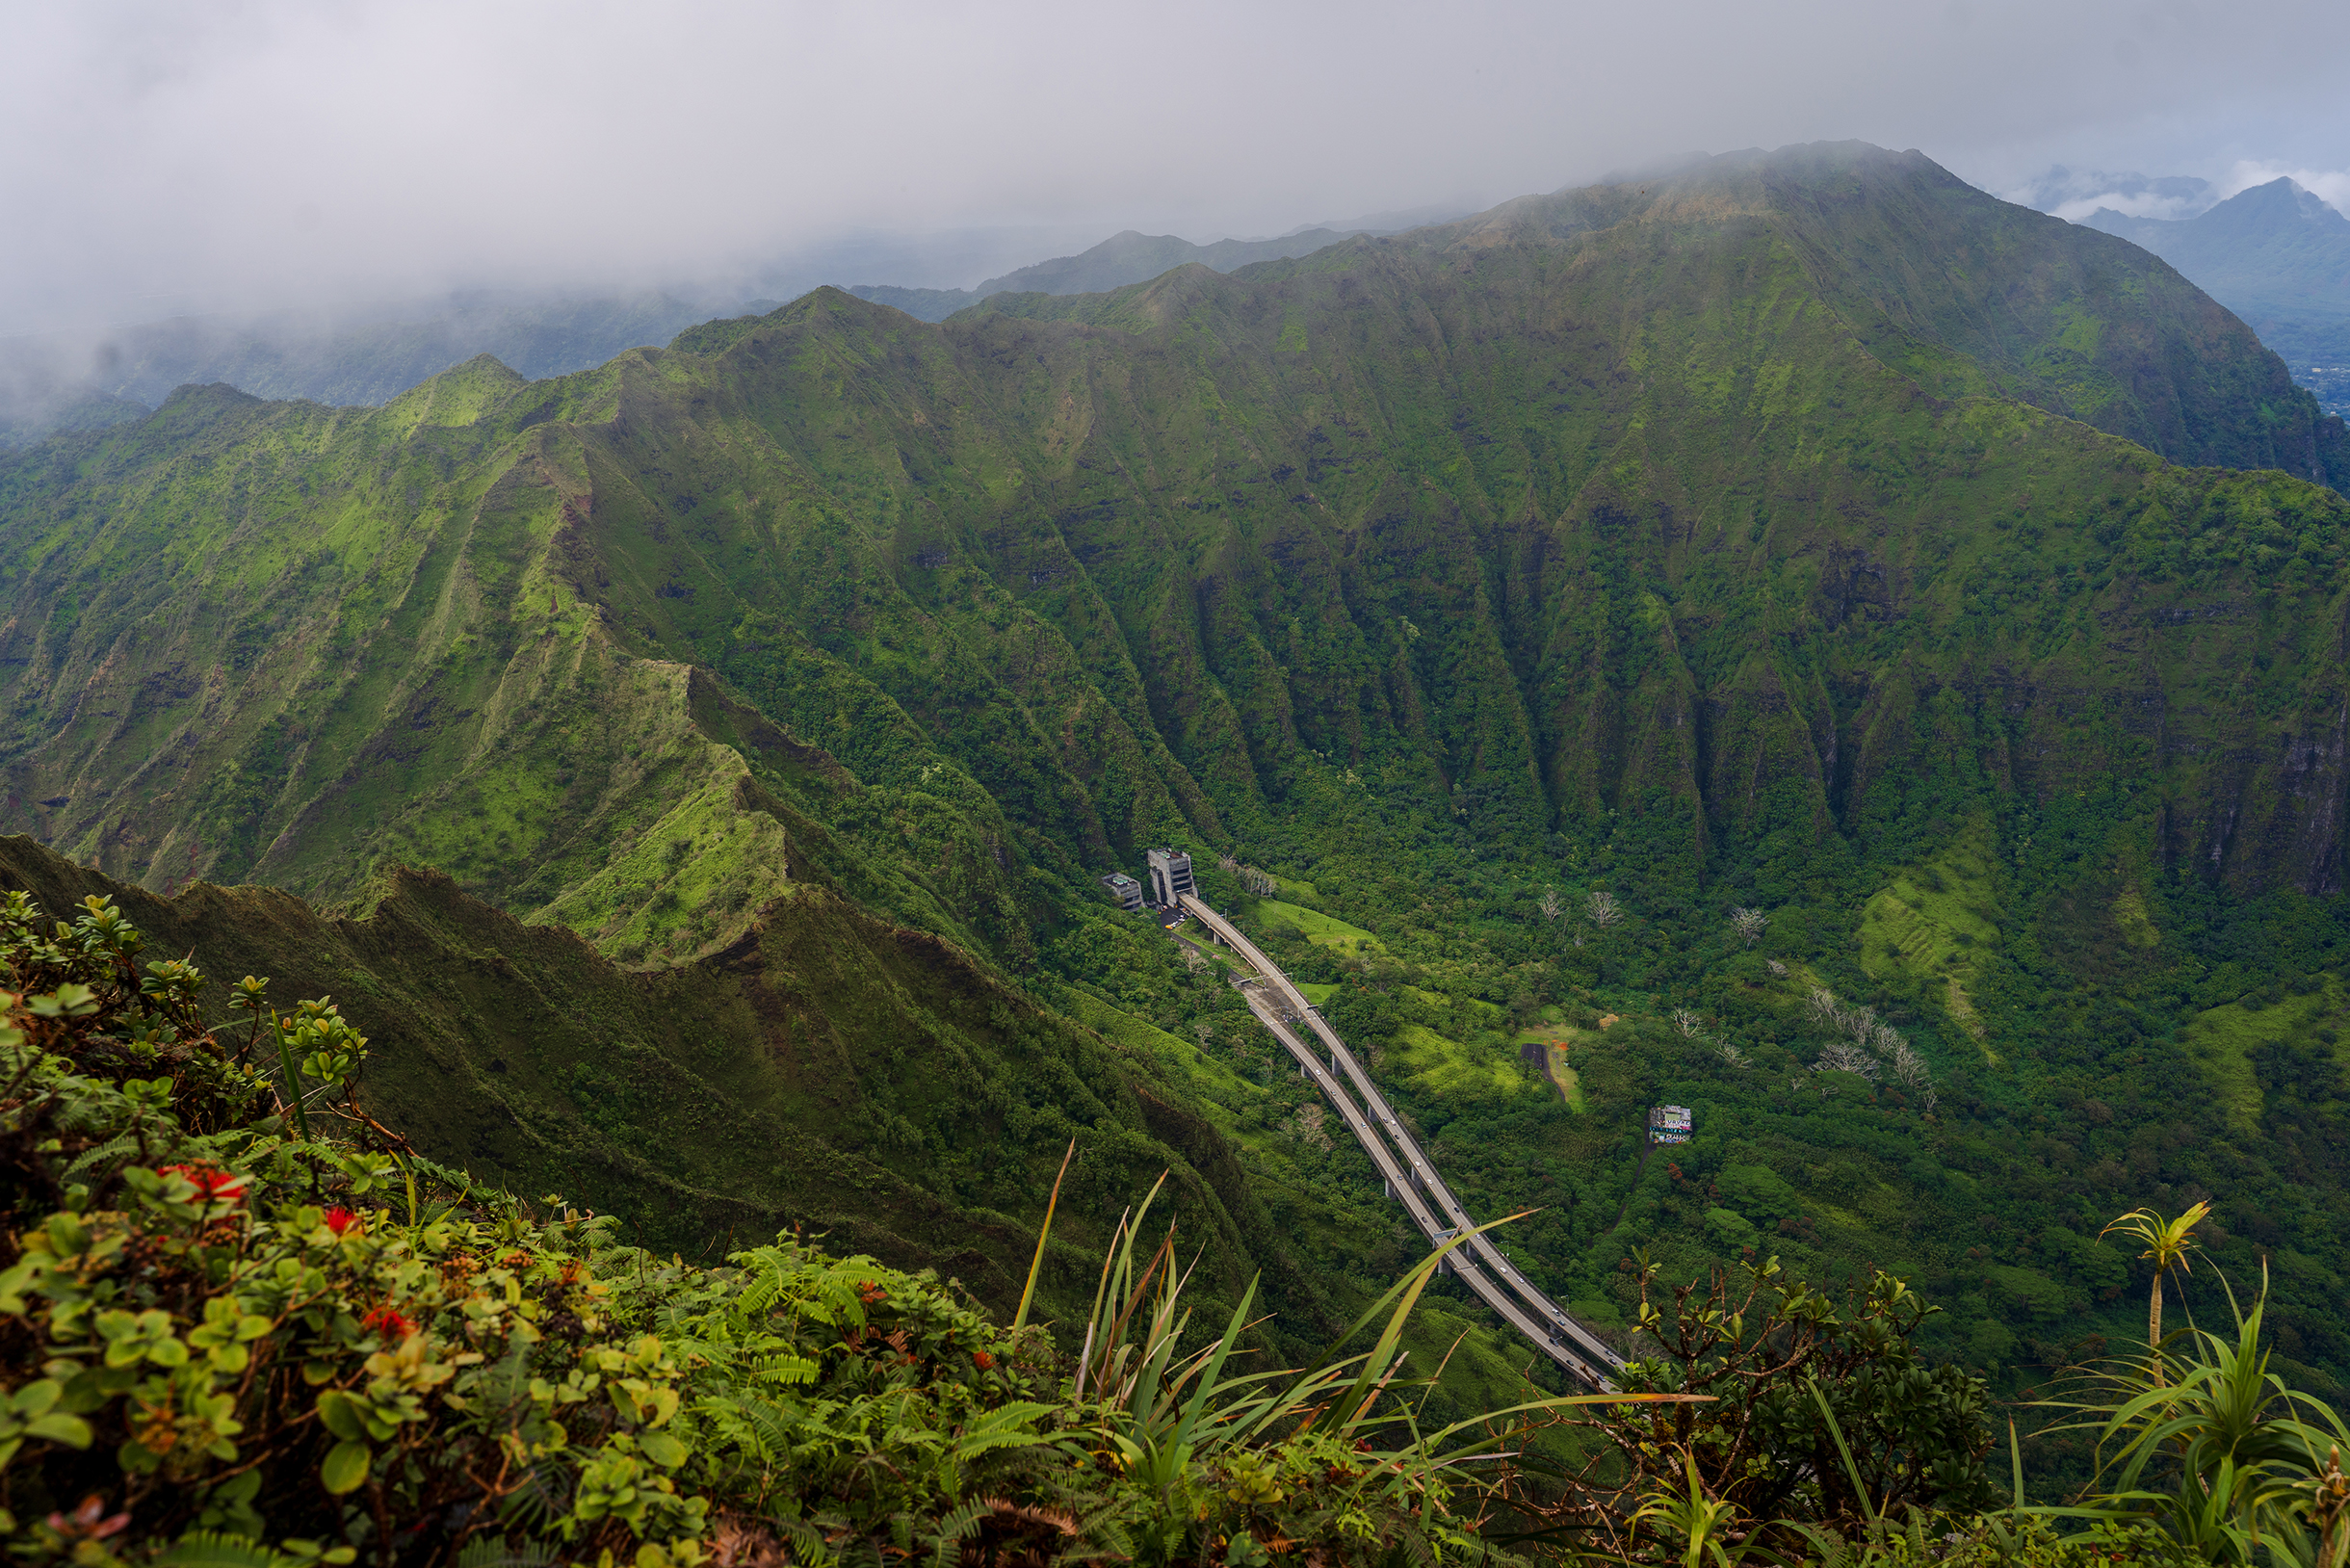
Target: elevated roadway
x,y
1409,1173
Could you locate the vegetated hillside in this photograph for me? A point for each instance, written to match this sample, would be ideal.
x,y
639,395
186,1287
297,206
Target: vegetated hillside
x,y
1773,535
825,1071
1124,258
2279,257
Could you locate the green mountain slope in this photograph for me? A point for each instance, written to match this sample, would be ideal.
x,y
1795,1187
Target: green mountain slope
x,y
1127,258
1799,532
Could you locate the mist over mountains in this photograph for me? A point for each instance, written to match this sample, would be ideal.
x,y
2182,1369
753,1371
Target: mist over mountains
x,y
366,355
1129,257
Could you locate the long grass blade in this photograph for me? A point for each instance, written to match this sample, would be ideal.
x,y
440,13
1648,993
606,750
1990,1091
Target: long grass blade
x,y
1044,1234
1335,1419
1210,1375
1860,1488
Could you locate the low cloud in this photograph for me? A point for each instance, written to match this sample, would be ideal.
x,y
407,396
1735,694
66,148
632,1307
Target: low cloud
x,y
158,157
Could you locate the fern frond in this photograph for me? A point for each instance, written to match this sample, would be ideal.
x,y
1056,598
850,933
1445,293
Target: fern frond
x,y
215,1549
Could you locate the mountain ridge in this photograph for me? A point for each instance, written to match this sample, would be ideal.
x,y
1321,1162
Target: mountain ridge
x,y
1126,257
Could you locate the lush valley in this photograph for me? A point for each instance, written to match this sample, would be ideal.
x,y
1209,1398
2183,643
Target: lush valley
x,y
1809,534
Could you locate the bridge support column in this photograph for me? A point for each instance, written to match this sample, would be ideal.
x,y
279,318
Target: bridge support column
x,y
1387,1188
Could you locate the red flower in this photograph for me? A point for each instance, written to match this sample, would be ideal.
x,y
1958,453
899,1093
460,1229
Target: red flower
x,y
871,1293
211,1185
388,1323
983,1360
340,1219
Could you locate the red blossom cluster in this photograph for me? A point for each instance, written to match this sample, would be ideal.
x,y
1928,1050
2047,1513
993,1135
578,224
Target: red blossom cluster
x,y
983,1360
211,1183
389,1322
340,1219
871,1293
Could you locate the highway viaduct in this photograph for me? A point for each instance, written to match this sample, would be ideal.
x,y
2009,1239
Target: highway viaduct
x,y
1405,1166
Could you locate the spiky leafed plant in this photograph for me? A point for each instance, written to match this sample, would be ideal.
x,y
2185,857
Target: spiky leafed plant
x,y
2213,1447
2168,1241
1173,1410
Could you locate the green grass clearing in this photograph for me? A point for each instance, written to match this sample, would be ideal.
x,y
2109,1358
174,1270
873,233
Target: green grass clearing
x,y
1318,994
1319,928
1481,1011
2224,1038
1448,1068
1218,1087
1934,921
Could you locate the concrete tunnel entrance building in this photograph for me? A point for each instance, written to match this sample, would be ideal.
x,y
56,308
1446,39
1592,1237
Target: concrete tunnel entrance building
x,y
1171,873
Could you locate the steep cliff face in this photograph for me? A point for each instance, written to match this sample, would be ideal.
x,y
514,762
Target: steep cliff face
x,y
1781,505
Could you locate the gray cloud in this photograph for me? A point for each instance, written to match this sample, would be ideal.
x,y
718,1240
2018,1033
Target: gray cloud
x,y
158,156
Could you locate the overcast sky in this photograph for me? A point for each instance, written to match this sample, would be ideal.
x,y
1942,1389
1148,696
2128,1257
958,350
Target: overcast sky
x,y
225,155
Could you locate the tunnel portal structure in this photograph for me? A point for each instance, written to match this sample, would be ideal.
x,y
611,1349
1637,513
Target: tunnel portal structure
x,y
1171,873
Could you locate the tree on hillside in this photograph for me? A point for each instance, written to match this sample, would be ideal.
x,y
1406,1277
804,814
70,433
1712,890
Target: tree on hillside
x,y
2168,1241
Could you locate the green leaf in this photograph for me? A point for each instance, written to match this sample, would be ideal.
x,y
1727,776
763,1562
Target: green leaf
x,y
36,1398
70,1430
342,1416
345,1468
662,1450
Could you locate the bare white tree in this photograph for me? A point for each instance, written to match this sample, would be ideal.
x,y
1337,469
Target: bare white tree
x,y
1228,862
1840,1057
1203,1031
1686,1022
1908,1068
1871,1045
1731,1054
1193,960
1749,924
1309,1124
1605,910
1775,967
1551,905
1264,885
